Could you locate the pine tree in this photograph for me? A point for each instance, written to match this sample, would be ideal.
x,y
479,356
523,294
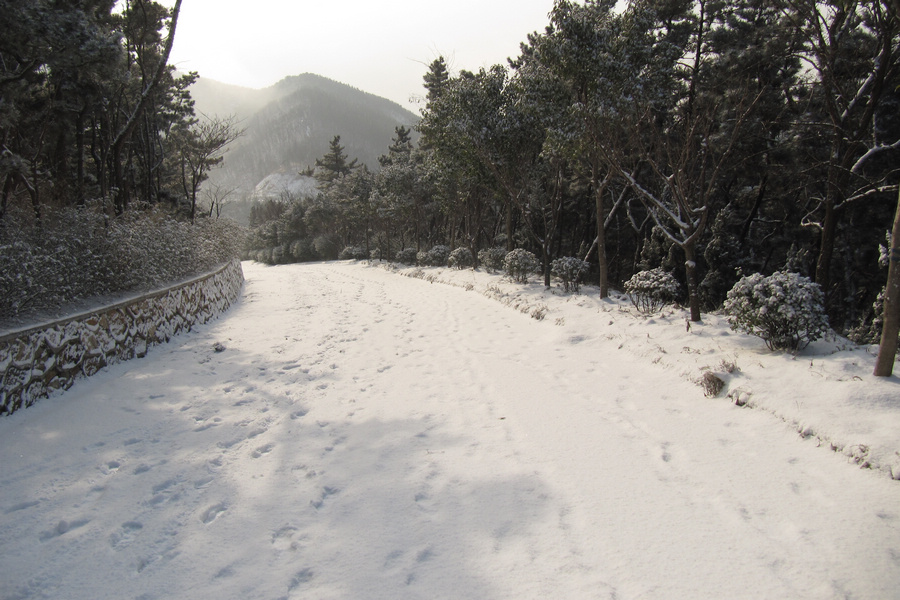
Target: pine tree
x,y
333,165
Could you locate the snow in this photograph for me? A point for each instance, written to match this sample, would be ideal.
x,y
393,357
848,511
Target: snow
x,y
346,431
283,184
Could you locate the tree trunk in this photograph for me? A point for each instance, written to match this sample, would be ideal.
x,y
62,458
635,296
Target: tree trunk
x,y
690,269
887,351
510,245
826,246
603,267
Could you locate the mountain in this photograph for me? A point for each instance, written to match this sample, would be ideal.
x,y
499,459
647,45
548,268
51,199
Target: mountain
x,y
289,125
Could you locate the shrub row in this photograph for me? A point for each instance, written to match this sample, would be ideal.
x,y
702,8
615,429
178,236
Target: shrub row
x,y
80,253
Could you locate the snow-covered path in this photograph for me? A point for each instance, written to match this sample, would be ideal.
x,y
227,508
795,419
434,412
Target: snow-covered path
x,y
366,435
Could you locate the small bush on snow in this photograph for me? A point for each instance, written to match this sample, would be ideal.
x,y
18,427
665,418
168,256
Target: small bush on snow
x,y
438,256
712,384
570,270
492,258
519,263
407,256
651,290
353,253
784,309
461,258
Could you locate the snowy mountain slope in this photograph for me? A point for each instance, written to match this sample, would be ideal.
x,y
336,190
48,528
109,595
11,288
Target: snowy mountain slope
x,y
367,435
290,124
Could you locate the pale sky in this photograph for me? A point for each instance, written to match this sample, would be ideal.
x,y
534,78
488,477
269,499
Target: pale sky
x,y
381,47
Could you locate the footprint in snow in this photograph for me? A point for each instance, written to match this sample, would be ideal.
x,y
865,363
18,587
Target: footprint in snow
x,y
326,493
21,506
62,528
203,482
125,534
230,443
300,578
262,450
211,514
255,432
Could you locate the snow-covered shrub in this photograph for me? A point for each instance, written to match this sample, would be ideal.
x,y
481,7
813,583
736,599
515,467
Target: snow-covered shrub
x,y
519,263
570,270
407,256
438,256
785,309
353,253
461,258
79,253
301,250
651,290
491,258
279,255
326,246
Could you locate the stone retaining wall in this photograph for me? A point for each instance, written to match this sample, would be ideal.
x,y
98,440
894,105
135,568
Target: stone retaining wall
x,y
40,360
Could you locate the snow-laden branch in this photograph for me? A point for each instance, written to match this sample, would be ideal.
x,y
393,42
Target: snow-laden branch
x,y
872,152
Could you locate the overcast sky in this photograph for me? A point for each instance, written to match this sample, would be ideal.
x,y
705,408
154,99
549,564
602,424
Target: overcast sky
x,y
381,47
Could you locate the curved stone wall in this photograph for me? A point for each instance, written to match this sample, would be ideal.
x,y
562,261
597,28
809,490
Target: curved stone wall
x,y
40,360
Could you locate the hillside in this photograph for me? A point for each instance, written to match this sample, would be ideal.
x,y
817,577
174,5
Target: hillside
x,y
289,125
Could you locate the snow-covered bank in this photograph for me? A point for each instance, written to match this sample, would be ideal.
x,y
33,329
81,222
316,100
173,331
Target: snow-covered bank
x,y
827,391
348,433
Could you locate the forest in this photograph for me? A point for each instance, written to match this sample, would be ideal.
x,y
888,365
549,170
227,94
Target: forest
x,y
713,139
103,158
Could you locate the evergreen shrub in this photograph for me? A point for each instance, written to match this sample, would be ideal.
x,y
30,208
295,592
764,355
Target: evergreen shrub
x,y
461,258
353,253
438,256
651,290
519,263
570,270
407,256
492,258
785,309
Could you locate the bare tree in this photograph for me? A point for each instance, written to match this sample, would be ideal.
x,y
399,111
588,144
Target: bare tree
x,y
201,146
